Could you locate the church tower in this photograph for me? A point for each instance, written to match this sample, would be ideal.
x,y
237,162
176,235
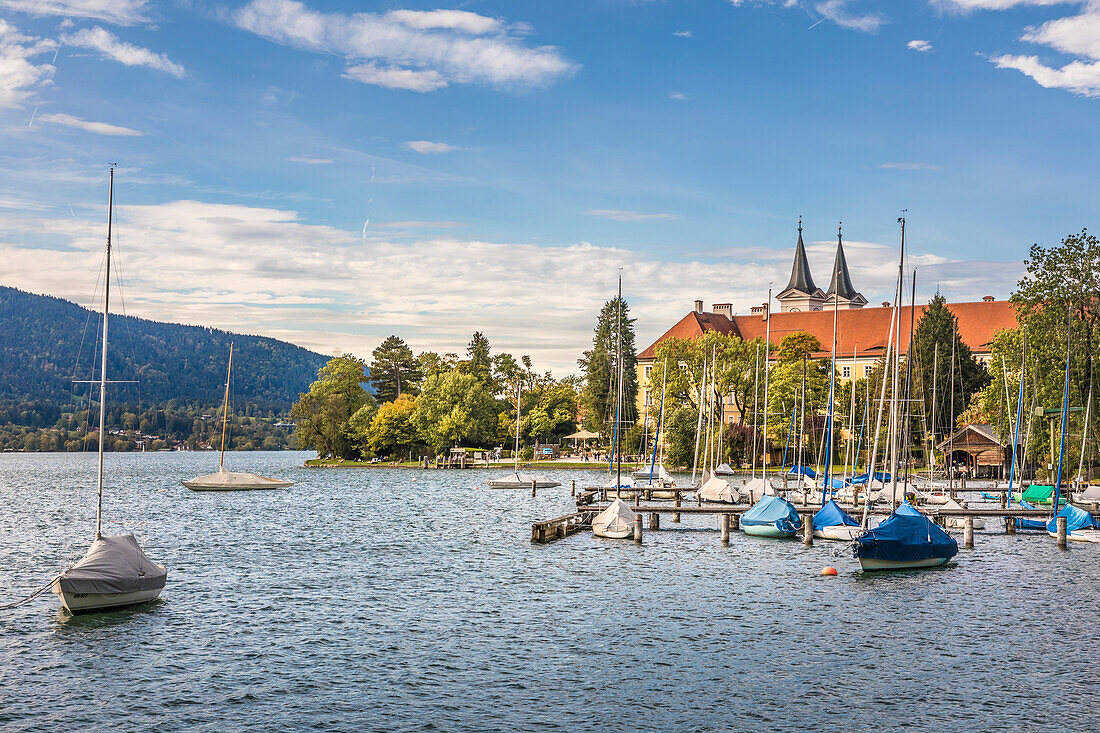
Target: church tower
x,y
800,294
841,291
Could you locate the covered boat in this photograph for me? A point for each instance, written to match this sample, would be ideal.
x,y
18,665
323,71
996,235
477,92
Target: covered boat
x,y
1080,525
907,539
724,470
1036,494
223,480
959,522
1089,495
657,481
772,516
114,572
616,522
833,523
519,480
756,489
717,490
1033,525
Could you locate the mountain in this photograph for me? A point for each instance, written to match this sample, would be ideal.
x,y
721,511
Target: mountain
x,y
47,342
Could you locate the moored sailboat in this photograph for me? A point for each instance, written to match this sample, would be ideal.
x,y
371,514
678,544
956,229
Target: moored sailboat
x,y
517,480
616,522
833,523
906,539
772,516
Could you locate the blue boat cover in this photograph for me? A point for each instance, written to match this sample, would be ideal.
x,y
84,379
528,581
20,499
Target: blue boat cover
x,y
773,510
879,476
906,535
1075,519
831,515
804,470
836,483
1037,525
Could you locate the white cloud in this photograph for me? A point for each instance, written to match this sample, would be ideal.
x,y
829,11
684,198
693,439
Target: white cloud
x,y
918,45
99,128
910,166
682,34
119,12
680,96
19,77
969,5
837,11
426,147
1077,35
309,160
1077,76
282,277
108,44
459,20
619,215
416,50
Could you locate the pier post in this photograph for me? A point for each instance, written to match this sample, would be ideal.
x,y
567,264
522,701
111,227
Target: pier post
x,y
532,487
573,487
735,521
808,530
805,496
725,524
676,503
637,529
1061,521
654,521
968,533
1010,525
1004,498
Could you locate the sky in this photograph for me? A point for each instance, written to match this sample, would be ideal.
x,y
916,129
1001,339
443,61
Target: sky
x,y
330,173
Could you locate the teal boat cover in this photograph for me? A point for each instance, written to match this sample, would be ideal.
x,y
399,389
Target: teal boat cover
x,y
774,510
1075,519
1039,493
831,515
906,536
1035,525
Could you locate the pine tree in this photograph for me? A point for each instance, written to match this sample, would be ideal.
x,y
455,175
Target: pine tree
x,y
394,370
600,366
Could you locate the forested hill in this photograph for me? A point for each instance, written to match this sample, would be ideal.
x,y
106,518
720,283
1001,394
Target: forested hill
x,y
41,353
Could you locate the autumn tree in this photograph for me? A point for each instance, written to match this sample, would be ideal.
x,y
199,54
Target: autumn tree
x,y
323,413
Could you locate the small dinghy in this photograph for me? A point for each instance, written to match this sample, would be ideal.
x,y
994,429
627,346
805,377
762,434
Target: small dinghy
x,y
833,523
1080,525
772,516
724,470
615,523
114,572
717,491
907,539
960,522
519,480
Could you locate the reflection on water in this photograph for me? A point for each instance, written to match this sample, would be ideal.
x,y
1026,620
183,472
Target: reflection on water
x,y
388,599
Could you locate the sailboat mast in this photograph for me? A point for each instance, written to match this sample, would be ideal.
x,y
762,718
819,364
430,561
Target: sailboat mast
x,y
826,485
103,359
619,397
1065,410
897,368
910,355
755,407
225,406
515,454
932,447
1016,430
949,462
767,353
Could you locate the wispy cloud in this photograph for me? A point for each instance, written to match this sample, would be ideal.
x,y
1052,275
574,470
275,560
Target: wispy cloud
x,y
119,12
619,215
682,34
419,225
309,160
679,96
427,147
910,166
837,11
19,76
99,128
416,50
918,45
109,46
1075,35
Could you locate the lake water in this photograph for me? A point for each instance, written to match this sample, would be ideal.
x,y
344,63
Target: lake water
x,y
409,600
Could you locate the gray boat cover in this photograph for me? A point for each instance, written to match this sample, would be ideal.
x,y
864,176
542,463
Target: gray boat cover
x,y
234,481
113,565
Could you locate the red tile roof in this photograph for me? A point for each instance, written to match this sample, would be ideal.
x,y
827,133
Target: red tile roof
x,y
865,330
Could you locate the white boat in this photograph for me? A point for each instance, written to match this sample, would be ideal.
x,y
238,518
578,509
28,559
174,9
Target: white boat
x,y
616,522
840,532
717,490
868,563
517,480
1089,495
756,489
114,571
223,480
724,470
960,522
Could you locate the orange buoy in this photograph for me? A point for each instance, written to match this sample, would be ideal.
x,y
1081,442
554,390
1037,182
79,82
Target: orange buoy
x,y
828,571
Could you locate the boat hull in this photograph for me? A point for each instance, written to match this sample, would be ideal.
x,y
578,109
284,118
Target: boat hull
x,y
839,532
613,534
1081,535
205,487
89,602
871,563
960,522
522,485
767,530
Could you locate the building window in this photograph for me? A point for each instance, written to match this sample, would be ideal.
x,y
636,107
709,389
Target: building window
x,y
648,399
867,369
846,371
648,370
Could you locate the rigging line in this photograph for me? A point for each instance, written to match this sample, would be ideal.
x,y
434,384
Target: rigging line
x,y
116,242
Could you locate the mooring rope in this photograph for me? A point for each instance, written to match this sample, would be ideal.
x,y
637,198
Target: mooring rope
x,y
32,596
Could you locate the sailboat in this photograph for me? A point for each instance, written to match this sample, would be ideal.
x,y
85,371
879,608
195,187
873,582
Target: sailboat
x,y
654,477
615,523
905,540
232,480
517,480
115,571
712,488
771,516
1080,525
833,523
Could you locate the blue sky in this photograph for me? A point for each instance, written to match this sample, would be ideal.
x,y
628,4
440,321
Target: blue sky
x,y
330,172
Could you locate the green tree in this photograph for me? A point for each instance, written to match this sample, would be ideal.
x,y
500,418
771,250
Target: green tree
x,y
477,354
394,371
600,365
323,413
454,407
393,431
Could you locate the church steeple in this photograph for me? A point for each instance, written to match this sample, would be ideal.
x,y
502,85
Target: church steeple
x,y
841,291
800,294
801,280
